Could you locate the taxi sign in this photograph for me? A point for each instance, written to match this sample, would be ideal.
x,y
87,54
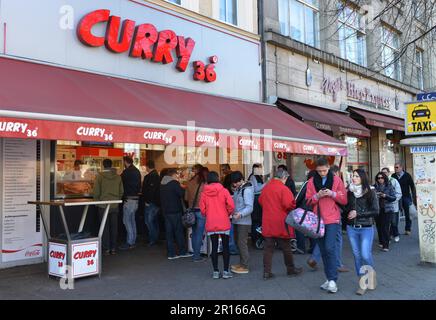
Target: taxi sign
x,y
421,118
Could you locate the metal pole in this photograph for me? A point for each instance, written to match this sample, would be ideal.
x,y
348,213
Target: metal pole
x,y
82,221
64,221
103,221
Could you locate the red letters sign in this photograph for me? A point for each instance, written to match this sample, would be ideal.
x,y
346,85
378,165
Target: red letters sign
x,y
144,41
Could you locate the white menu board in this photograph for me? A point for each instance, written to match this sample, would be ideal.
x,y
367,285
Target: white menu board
x,y
21,232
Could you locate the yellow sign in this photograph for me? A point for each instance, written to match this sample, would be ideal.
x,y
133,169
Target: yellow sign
x,y
421,118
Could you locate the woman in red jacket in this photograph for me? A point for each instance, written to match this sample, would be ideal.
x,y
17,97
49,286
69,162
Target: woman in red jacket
x,y
217,206
277,200
325,192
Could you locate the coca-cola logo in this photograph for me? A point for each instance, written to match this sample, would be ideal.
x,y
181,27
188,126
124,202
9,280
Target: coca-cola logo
x,y
33,253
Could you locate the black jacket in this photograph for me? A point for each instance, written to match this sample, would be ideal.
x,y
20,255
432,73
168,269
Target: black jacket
x,y
151,188
171,196
227,183
291,185
407,184
366,210
131,181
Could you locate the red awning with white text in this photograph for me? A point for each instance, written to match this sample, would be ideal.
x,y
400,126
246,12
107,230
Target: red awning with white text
x,y
47,102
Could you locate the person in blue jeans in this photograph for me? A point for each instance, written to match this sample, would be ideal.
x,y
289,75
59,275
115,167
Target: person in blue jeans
x,y
131,178
194,189
315,258
151,199
362,208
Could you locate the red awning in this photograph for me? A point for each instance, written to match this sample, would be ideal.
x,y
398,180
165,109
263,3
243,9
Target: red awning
x,y
48,102
379,120
324,119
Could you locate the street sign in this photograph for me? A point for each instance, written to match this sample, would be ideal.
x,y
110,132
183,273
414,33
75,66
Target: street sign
x,y
429,96
421,118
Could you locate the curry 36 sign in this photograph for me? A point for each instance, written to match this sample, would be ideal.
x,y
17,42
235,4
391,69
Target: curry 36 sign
x,y
144,41
421,118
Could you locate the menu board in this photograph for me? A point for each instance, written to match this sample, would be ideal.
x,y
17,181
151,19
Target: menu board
x,y
21,229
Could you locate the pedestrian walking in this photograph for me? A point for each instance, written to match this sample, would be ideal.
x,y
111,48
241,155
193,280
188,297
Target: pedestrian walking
x,y
243,197
276,201
132,186
387,197
316,253
362,208
151,200
194,189
171,199
394,232
257,181
108,186
325,192
217,205
408,191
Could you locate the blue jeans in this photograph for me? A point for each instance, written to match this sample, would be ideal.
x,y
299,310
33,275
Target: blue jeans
x,y
316,254
361,245
232,244
129,210
197,234
328,248
150,217
175,232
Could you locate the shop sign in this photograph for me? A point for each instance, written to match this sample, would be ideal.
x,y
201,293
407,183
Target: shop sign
x,y
426,96
85,258
57,259
421,118
423,149
144,41
363,94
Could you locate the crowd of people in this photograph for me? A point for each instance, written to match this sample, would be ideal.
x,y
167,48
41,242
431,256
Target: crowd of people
x,y
232,210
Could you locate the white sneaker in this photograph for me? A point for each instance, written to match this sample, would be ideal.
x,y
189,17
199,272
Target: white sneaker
x,y
332,287
325,285
397,239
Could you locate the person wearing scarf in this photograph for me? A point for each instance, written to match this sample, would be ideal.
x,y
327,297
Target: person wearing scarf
x,y
325,192
387,197
360,212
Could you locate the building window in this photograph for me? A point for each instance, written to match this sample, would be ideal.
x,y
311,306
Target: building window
x,y
391,61
419,68
300,20
179,2
352,37
228,11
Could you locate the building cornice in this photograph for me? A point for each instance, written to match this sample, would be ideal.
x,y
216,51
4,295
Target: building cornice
x,y
331,59
201,18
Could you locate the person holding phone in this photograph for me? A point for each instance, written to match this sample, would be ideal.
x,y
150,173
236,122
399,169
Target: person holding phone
x,y
386,194
325,192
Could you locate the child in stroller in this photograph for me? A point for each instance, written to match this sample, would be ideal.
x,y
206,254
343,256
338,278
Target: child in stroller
x,y
293,240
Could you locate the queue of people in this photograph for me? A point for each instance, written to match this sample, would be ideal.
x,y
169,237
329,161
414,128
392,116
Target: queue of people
x,y
230,212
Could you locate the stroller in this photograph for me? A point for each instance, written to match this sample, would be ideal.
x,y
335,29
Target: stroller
x,y
260,241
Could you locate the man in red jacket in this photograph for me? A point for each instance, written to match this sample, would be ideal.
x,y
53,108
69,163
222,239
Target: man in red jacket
x,y
325,192
276,201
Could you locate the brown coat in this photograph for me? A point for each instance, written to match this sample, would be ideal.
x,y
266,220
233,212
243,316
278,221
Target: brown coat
x,y
191,189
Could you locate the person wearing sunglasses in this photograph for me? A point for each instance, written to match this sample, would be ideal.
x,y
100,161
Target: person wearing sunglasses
x,y
386,194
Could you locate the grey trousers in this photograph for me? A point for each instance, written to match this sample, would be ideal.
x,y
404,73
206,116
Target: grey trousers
x,y
241,238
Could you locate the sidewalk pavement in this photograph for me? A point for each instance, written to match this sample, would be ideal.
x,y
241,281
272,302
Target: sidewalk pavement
x,y
145,273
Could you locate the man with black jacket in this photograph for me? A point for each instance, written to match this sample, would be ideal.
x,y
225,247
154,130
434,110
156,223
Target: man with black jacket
x,y
407,185
132,186
171,197
151,198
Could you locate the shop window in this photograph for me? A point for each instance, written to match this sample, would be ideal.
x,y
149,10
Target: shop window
x,y
300,20
228,11
358,156
352,36
179,2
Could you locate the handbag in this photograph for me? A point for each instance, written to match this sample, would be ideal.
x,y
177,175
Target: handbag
x,y
188,218
307,222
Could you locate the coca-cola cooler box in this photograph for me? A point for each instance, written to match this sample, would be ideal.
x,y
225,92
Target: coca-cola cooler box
x,y
206,246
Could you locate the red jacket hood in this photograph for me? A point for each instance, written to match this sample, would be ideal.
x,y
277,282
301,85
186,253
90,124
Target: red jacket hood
x,y
212,190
